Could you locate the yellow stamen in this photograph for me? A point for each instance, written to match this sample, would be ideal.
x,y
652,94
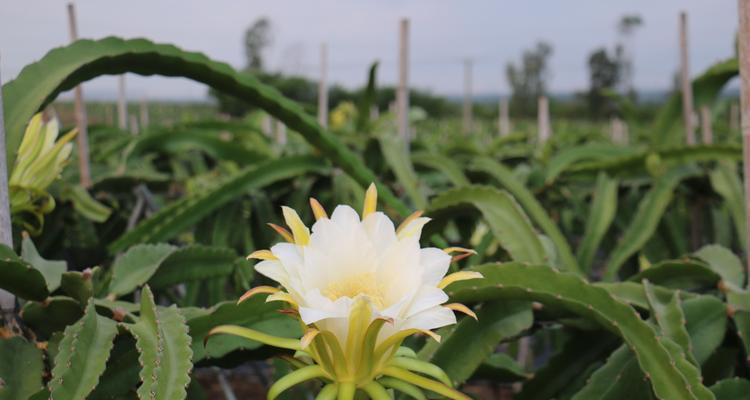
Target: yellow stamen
x,y
459,276
283,232
299,230
371,201
308,337
317,209
282,296
351,286
257,290
461,308
262,255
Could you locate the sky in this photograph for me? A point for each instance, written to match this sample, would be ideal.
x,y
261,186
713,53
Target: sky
x,y
357,32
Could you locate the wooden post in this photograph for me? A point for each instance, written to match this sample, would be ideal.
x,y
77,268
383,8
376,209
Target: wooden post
x,y
122,105
614,129
108,118
744,44
266,125
706,131
618,131
543,119
280,132
144,115
687,87
323,87
81,119
134,125
402,94
7,300
504,118
468,120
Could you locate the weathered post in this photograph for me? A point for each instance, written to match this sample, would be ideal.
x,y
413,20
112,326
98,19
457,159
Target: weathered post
x,y
323,87
144,117
687,87
543,119
504,118
280,133
108,115
744,39
134,129
122,106
734,118
467,112
266,125
7,300
706,131
80,110
402,93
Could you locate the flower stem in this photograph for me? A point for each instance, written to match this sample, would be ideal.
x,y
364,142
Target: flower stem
x,y
328,392
376,391
347,391
424,383
298,376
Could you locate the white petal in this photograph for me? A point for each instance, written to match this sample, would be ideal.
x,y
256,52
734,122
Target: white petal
x,y
432,318
274,270
435,263
289,255
291,261
338,326
316,307
338,249
344,215
399,271
427,297
396,309
413,228
380,230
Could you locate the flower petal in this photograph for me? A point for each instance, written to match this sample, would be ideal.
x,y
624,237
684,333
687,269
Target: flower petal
x,y
318,211
459,276
258,290
261,255
371,201
427,297
274,270
432,318
412,228
380,231
299,231
461,308
436,263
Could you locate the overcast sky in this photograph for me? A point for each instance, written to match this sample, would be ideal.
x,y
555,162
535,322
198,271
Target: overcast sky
x,y
443,34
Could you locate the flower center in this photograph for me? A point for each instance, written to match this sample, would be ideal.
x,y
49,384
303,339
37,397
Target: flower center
x,y
362,284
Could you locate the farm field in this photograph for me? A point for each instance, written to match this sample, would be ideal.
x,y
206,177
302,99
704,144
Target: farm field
x,y
292,239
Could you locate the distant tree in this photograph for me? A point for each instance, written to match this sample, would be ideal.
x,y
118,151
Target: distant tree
x,y
528,80
605,72
257,38
626,28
